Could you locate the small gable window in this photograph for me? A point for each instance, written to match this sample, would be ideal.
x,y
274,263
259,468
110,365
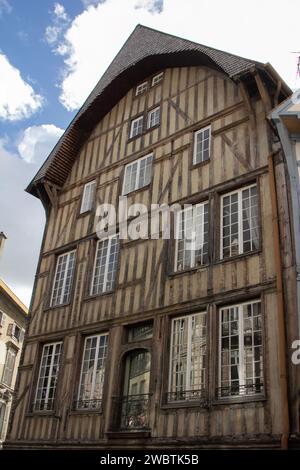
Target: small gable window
x,y
157,78
141,88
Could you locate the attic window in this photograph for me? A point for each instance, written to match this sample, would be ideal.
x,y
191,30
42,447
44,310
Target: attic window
x,y
157,78
88,197
141,88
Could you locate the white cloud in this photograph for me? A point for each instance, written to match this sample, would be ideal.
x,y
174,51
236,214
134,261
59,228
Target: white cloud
x,y
18,99
36,141
22,215
5,7
95,36
60,22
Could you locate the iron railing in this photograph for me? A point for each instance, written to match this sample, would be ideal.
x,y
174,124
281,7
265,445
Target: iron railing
x,y
236,390
131,412
186,396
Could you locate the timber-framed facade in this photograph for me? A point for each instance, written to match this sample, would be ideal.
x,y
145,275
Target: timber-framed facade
x,y
135,343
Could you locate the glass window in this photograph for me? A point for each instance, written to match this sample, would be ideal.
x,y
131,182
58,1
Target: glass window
x,y
48,375
141,88
201,145
240,225
140,332
187,379
105,266
154,117
88,197
92,371
157,78
192,237
63,279
241,352
137,174
9,366
136,127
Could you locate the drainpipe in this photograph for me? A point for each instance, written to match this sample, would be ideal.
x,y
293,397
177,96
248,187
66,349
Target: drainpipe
x,y
280,308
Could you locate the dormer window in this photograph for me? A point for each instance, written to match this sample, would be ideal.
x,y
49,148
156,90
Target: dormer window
x,y
141,88
157,78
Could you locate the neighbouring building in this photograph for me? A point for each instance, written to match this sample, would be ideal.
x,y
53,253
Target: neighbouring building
x,y
157,342
12,326
286,117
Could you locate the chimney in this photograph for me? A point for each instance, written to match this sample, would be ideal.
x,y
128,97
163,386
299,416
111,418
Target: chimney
x,y
2,242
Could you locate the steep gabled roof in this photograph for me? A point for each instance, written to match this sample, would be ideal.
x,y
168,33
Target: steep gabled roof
x,y
145,52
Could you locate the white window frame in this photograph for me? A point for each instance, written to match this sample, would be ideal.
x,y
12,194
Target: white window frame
x,y
242,382
47,388
201,131
141,88
177,227
150,114
240,219
11,370
157,78
98,336
64,278
88,197
139,118
2,318
189,349
136,186
92,293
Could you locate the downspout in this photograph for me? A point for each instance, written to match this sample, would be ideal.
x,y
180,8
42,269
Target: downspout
x,y
280,308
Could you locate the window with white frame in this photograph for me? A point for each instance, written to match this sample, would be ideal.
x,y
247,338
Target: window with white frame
x,y
191,237
92,371
240,350
9,366
48,376
141,88
201,145
153,117
187,375
88,197
2,318
157,78
137,174
105,265
63,279
136,127
239,222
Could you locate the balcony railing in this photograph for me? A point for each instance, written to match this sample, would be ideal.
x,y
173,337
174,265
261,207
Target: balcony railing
x,y
87,404
186,396
131,412
236,390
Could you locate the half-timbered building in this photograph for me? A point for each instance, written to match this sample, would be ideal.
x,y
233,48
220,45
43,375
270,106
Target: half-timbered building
x,y
149,342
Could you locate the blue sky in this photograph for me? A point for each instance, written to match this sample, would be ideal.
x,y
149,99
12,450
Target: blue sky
x,y
52,53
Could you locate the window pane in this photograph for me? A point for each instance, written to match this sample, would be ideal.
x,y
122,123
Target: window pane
x,y
136,127
105,267
48,375
241,361
188,355
201,145
88,197
92,371
154,117
192,237
63,279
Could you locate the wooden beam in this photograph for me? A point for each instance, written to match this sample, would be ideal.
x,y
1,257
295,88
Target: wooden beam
x,y
265,97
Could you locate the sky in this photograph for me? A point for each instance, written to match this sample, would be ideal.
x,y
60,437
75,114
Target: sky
x,y
52,53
